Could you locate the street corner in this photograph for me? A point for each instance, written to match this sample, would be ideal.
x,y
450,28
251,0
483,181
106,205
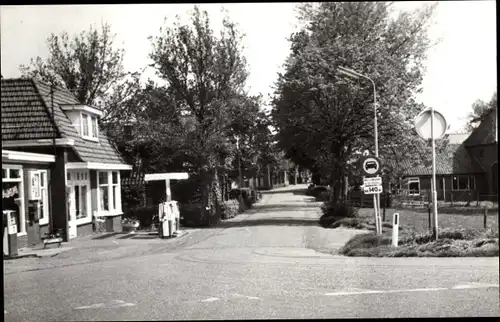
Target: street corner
x,y
38,253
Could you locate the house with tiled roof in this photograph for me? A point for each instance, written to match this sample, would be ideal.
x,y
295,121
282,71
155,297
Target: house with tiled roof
x,y
80,172
467,169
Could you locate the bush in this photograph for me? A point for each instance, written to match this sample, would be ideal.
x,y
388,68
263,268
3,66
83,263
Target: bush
x,y
246,195
339,210
363,241
230,209
196,215
147,216
355,223
323,196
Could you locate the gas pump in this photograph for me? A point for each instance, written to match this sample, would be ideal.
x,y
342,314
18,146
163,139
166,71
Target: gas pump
x,y
10,233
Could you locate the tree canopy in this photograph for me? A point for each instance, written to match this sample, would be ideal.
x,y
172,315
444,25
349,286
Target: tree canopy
x,y
480,108
324,118
89,65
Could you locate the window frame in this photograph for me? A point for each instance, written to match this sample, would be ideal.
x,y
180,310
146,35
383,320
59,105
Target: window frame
x,y
73,182
20,180
112,211
44,197
470,187
91,121
413,180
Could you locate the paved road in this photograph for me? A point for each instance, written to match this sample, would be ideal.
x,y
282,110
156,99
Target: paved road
x,y
263,264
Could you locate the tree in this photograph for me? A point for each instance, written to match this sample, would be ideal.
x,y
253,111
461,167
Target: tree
x,y
90,67
323,118
205,75
480,109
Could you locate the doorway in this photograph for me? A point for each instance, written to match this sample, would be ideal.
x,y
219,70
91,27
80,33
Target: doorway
x,y
78,199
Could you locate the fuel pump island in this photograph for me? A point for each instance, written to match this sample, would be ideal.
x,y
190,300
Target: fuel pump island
x,y
168,211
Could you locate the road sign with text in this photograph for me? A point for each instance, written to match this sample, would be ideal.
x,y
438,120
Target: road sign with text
x,y
372,190
372,181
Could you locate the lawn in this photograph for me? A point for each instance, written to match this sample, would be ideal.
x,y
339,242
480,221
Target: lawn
x,y
460,235
419,221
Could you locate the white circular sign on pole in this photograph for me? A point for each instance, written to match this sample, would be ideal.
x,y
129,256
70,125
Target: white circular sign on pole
x,y
371,165
423,125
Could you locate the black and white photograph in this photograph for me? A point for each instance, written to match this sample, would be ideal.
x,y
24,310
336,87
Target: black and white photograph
x,y
251,160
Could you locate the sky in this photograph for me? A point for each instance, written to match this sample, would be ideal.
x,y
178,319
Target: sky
x,y
460,69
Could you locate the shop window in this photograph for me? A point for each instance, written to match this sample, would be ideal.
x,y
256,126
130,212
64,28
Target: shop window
x,y
13,195
109,191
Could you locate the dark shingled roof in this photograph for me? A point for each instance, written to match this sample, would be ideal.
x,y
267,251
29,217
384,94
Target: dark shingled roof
x,y
19,117
485,133
24,117
454,159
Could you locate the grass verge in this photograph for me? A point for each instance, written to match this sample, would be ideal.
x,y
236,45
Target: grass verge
x,y
452,243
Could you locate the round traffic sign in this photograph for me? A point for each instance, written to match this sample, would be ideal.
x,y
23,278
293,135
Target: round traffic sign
x,y
423,124
371,165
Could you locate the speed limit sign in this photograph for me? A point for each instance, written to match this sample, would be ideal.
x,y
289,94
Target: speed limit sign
x,y
372,190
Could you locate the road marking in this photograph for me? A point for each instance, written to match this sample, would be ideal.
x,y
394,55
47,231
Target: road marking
x,y
93,306
114,241
211,299
248,297
473,285
5,312
435,289
112,305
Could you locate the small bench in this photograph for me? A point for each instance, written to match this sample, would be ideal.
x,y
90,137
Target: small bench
x,y
54,238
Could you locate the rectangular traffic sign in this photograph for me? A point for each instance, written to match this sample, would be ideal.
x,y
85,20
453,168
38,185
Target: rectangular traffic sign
x,y
370,190
372,181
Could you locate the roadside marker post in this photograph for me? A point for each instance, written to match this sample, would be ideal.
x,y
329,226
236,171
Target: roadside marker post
x,y
395,229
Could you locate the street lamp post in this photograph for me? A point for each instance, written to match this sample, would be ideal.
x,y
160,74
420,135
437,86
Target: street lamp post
x,y
239,166
376,197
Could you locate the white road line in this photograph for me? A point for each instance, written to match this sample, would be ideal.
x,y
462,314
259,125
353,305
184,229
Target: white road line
x,y
5,312
114,241
246,296
435,289
93,306
473,285
211,299
112,305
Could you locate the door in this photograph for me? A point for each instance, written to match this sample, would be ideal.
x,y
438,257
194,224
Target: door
x,y
33,227
72,232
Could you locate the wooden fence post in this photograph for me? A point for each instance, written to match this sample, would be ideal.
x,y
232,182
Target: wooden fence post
x,y
477,198
485,218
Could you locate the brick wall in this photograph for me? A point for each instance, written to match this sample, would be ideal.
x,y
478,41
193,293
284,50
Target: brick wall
x,y
84,230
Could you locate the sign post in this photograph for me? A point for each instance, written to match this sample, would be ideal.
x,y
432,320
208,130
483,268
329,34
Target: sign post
x,y
431,125
371,167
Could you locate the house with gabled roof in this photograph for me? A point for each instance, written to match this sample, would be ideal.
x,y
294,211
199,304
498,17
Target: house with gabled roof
x,y
467,169
72,172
